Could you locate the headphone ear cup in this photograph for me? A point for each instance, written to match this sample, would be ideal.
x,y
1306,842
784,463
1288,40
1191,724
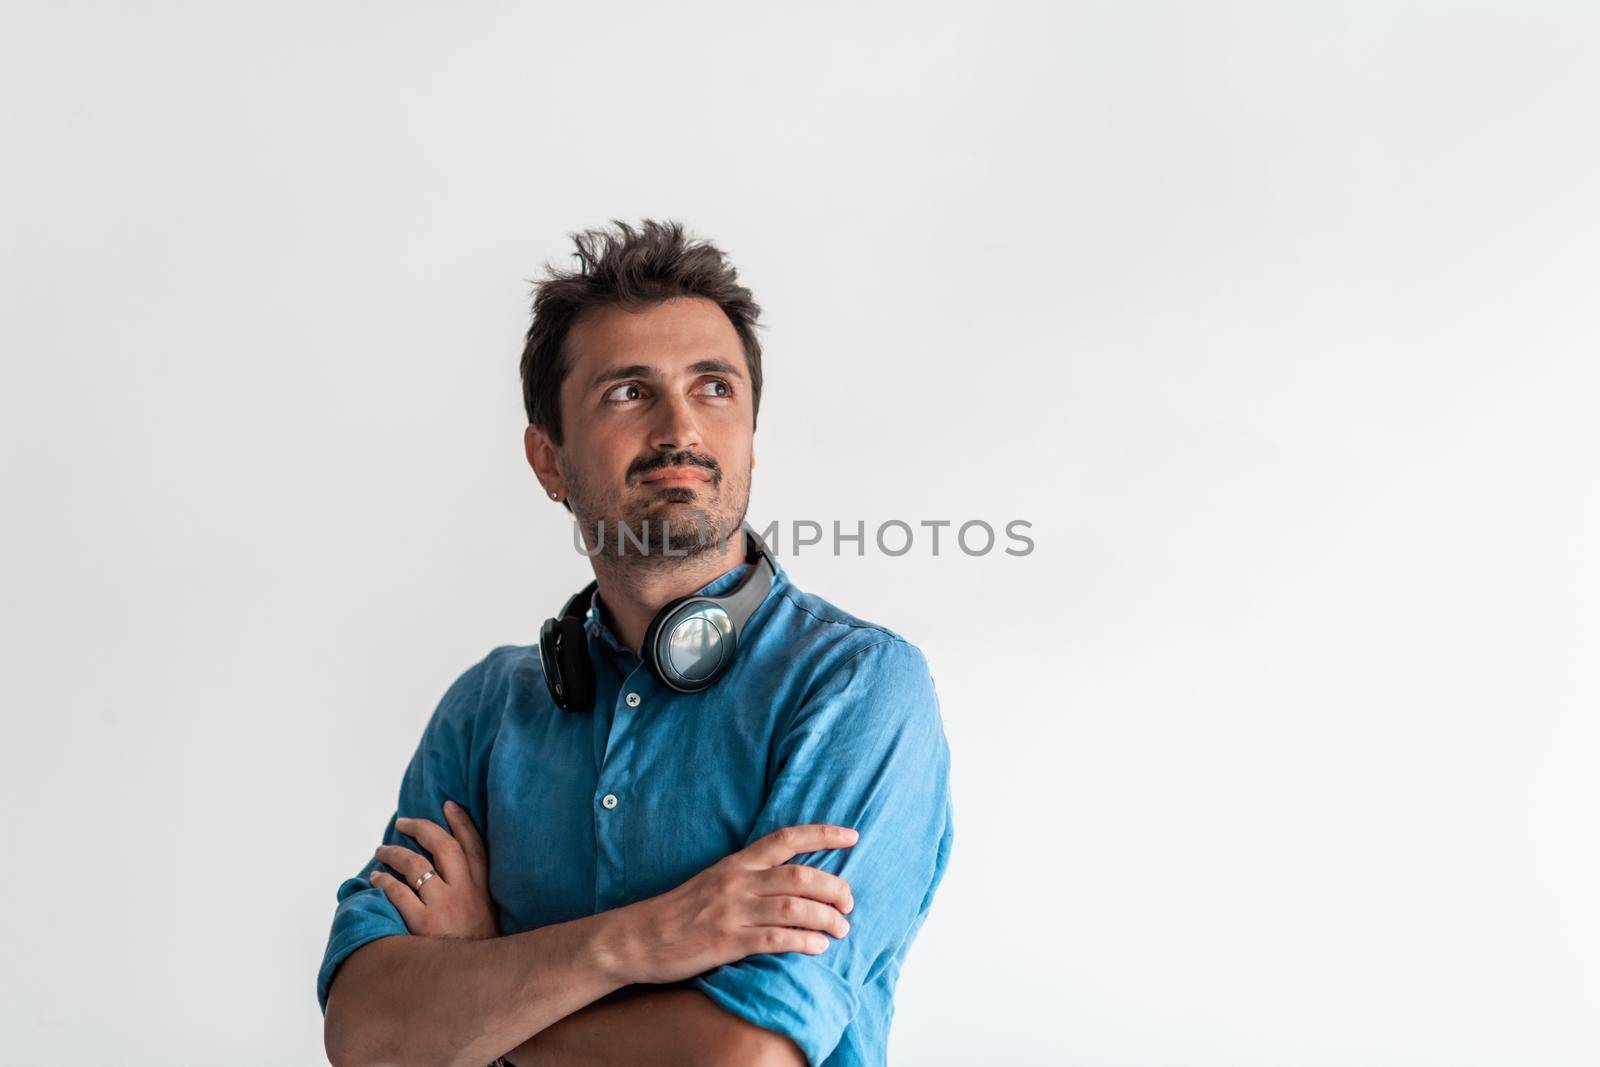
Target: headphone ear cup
x,y
648,648
564,653
690,644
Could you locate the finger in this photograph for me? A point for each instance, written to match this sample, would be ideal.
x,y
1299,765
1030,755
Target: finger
x,y
400,895
798,911
789,841
446,852
795,880
410,865
756,939
470,841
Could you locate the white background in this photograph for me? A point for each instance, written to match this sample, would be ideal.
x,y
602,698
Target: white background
x,y
1276,321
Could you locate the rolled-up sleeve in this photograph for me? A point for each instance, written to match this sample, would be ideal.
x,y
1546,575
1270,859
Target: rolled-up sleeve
x,y
440,770
866,749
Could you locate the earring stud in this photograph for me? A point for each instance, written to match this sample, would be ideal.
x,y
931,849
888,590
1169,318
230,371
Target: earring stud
x,y
554,495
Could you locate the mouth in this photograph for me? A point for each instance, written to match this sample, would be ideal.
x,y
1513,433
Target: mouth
x,y
678,476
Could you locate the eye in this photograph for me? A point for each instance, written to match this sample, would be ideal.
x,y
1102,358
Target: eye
x,y
630,391
718,388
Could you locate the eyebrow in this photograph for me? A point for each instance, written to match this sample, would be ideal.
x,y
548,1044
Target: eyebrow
x,y
642,370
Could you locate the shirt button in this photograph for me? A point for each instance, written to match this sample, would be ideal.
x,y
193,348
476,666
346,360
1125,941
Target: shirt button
x,y
609,800
633,700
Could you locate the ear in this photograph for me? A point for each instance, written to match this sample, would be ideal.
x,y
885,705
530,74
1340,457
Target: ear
x,y
541,453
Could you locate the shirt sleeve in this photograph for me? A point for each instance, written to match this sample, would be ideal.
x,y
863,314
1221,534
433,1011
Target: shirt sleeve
x,y
867,750
440,769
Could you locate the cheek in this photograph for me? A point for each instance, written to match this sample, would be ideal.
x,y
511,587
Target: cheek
x,y
734,457
738,475
603,460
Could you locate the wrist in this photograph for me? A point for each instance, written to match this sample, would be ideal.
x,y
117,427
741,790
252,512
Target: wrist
x,y
614,947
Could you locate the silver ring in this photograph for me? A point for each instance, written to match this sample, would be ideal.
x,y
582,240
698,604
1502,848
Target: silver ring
x,y
424,878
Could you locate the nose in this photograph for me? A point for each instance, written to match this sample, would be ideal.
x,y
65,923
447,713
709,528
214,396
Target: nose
x,y
676,427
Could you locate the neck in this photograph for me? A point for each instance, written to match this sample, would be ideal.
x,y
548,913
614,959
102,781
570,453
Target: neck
x,y
634,589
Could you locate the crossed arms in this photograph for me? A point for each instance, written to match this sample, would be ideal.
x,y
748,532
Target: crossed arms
x,y
715,971
445,995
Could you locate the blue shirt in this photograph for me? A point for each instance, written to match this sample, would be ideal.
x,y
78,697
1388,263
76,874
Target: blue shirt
x,y
823,718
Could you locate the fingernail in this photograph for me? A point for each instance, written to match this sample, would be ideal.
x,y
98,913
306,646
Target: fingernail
x,y
846,927
451,805
851,834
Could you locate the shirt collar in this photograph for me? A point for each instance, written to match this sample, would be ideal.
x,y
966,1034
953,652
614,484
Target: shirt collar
x,y
596,624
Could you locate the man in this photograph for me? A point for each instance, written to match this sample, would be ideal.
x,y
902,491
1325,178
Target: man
x,y
657,874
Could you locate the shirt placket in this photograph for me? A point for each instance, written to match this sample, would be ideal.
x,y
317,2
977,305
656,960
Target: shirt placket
x,y
613,795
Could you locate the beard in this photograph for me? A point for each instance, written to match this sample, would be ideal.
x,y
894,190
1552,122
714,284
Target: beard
x,y
670,523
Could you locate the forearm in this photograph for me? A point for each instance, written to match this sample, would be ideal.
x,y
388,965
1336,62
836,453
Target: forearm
x,y
434,1001
667,1026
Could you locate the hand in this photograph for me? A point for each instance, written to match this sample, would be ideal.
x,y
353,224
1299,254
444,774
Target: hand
x,y
752,901
455,901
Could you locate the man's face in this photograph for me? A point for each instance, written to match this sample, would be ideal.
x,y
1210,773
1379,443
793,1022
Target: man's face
x,y
658,425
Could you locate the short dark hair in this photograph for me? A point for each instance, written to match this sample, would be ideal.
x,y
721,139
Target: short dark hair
x,y
633,269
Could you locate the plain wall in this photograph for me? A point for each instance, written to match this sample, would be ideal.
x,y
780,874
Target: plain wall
x,y
1276,321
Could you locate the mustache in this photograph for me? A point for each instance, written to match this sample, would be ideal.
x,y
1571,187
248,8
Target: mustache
x,y
649,464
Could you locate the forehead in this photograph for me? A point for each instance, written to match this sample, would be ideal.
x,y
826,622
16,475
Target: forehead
x,y
666,335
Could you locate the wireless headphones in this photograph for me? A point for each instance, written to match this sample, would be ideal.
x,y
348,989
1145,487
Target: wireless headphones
x,y
689,644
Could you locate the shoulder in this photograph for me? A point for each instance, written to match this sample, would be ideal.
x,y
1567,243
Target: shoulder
x,y
852,655
471,707
817,627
